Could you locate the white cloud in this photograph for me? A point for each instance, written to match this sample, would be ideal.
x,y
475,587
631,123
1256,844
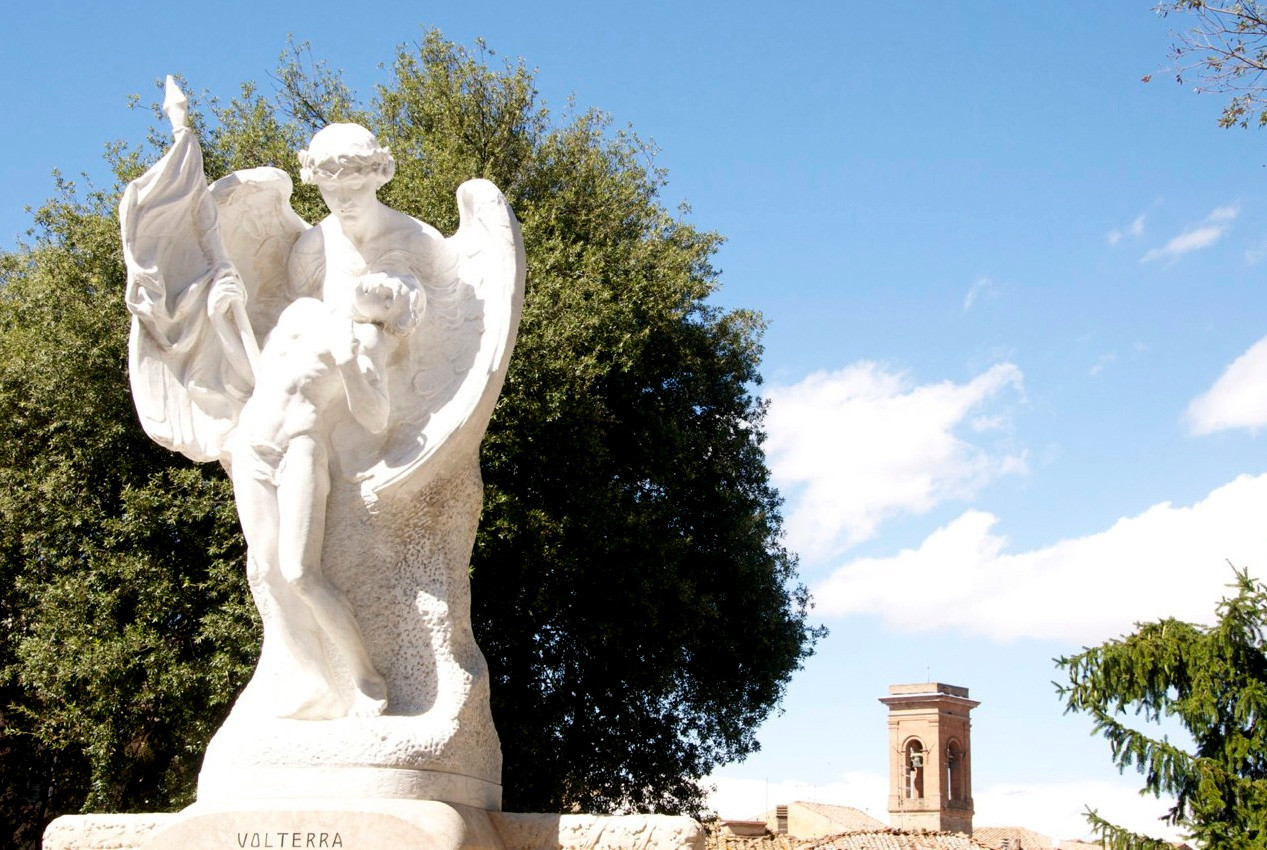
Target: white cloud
x,y
1135,228
1103,360
1054,809
1226,213
982,286
749,799
1256,254
1189,240
1166,561
856,447
1201,235
1238,398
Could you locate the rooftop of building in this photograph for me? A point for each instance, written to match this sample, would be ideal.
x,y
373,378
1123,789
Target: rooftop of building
x,y
841,818
869,839
1012,838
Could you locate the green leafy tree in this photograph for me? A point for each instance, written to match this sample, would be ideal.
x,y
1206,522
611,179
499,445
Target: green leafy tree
x,y
1226,49
1213,681
127,629
638,612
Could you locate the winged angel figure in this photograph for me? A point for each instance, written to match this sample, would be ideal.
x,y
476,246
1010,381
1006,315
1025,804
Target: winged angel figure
x,y
367,351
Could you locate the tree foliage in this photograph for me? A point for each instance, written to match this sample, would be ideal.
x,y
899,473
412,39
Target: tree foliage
x,y
127,627
638,612
1226,49
1213,681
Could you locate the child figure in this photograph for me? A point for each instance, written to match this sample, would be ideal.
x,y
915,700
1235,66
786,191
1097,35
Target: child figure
x,y
316,365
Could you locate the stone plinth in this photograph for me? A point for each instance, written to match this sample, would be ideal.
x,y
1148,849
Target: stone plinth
x,y
103,832
370,825
597,832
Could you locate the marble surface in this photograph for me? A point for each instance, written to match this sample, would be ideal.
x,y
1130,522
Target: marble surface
x,y
371,826
344,374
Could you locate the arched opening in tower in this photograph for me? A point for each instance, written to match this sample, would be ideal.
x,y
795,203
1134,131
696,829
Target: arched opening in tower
x,y
915,770
956,772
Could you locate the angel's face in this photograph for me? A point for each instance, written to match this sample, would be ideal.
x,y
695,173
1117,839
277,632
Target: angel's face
x,y
349,197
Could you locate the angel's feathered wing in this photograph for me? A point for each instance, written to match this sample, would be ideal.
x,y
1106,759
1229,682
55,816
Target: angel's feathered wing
x,y
443,395
259,229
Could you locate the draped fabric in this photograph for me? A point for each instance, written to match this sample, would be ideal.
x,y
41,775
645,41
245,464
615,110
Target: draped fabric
x,y
186,387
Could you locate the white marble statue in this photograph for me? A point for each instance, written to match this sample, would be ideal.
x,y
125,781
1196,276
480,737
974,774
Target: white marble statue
x,y
344,374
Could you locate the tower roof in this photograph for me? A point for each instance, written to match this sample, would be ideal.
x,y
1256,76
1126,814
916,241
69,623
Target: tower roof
x,y
928,692
928,688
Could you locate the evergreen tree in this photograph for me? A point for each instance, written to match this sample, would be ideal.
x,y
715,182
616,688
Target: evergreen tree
x,y
638,612
1213,681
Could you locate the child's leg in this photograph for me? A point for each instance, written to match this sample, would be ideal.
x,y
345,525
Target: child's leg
x,y
256,499
303,484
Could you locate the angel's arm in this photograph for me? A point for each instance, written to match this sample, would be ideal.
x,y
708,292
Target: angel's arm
x,y
226,309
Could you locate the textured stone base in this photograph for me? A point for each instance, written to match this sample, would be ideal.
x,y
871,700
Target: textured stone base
x,y
228,789
597,832
103,832
369,825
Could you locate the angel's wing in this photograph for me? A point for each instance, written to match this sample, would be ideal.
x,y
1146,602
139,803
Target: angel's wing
x,y
259,228
454,363
186,388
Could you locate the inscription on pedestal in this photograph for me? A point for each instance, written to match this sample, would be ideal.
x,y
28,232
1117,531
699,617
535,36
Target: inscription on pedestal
x,y
289,839
378,825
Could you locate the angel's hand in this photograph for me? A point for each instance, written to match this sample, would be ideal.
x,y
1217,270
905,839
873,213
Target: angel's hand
x,y
224,293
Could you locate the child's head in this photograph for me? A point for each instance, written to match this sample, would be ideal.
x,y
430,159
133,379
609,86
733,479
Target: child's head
x,y
395,302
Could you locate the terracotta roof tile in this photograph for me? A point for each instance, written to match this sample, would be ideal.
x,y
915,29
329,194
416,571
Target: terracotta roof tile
x,y
849,819
1018,838
896,839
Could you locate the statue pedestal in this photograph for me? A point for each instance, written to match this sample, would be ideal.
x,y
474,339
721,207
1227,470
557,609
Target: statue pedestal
x,y
369,825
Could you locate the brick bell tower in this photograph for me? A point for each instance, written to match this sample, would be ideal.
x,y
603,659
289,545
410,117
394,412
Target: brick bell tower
x,y
930,757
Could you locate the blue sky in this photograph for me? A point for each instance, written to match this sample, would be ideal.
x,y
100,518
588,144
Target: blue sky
x,y
1013,295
